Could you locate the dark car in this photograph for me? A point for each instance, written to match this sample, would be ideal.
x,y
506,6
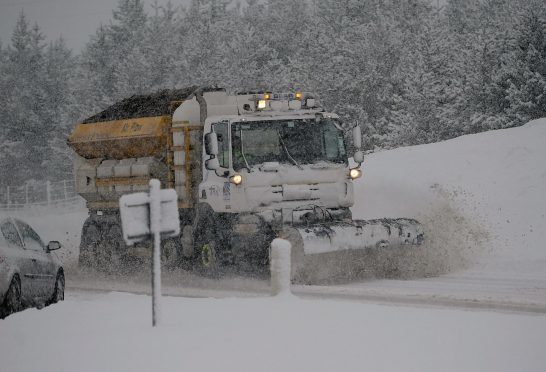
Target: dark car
x,y
31,274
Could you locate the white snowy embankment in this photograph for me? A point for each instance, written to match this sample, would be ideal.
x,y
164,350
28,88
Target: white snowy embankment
x,y
496,179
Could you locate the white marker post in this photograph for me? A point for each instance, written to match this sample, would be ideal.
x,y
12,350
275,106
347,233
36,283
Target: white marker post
x,y
154,215
155,229
280,266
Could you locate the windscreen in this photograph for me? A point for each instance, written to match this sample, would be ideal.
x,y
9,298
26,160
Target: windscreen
x,y
302,141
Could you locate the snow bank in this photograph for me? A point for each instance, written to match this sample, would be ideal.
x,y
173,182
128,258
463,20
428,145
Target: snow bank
x,y
112,332
493,181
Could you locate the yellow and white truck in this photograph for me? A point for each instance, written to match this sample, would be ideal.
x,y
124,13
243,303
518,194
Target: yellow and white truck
x,y
246,167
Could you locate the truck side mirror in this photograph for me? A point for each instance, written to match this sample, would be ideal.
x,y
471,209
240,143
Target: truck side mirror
x,y
358,157
212,163
211,144
357,137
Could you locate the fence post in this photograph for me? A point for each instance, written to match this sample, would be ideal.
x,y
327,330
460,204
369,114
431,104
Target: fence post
x,y
7,193
48,192
64,190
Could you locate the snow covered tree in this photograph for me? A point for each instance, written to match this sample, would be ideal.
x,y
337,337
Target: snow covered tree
x,y
25,104
527,90
57,119
160,46
110,51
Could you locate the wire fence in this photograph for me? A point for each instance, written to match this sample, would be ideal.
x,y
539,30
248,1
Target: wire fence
x,y
34,194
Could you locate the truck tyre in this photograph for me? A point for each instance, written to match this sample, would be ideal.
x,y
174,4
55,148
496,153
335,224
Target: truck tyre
x,y
102,253
186,240
88,245
118,248
169,253
207,260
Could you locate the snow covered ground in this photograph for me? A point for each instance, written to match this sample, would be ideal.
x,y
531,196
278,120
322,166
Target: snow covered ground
x,y
112,332
483,199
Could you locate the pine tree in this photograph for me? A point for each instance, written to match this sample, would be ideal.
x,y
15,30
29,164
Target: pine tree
x,y
59,72
527,90
25,104
160,46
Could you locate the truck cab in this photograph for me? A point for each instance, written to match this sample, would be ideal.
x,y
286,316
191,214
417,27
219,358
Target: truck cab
x,y
267,160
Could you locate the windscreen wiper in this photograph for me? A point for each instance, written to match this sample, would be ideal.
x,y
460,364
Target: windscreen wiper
x,y
287,152
243,150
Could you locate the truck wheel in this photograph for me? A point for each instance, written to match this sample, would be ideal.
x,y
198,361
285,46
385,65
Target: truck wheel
x,y
118,248
103,251
88,245
207,260
169,253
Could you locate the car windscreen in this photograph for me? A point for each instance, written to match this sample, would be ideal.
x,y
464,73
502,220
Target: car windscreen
x,y
10,234
30,237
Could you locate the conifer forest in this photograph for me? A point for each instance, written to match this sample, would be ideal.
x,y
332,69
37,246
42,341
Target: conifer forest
x,y
408,71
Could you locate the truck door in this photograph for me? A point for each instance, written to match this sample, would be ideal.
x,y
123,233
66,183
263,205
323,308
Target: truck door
x,y
217,188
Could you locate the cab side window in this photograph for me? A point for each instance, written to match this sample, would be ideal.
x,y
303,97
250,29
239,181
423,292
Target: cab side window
x,y
30,237
10,235
221,130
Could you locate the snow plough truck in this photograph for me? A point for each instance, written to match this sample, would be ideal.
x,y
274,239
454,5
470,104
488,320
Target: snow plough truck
x,y
247,168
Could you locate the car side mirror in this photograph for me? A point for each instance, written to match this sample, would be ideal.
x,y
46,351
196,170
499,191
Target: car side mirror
x,y
53,246
211,143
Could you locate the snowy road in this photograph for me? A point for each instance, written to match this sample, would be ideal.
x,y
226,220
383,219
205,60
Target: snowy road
x,y
96,331
467,289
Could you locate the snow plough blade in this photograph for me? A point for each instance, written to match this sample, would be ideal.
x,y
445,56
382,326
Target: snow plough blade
x,y
332,250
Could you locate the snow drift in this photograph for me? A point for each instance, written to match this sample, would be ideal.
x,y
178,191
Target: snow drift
x,y
482,197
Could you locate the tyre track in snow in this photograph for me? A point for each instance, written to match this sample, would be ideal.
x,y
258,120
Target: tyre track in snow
x,y
471,292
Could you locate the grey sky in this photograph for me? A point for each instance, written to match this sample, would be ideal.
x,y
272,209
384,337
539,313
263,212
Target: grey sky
x,y
75,20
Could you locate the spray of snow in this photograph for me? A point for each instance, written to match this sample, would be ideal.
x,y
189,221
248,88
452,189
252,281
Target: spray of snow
x,y
453,242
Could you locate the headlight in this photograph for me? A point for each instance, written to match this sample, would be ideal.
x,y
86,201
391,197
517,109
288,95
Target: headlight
x,y
236,179
355,173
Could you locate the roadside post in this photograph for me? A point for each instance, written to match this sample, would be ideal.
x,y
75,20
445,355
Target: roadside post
x,y
154,216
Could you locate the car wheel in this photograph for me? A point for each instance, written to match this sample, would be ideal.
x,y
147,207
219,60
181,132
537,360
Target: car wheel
x,y
58,293
12,301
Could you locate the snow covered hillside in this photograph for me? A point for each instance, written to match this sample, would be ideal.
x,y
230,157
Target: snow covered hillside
x,y
495,180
